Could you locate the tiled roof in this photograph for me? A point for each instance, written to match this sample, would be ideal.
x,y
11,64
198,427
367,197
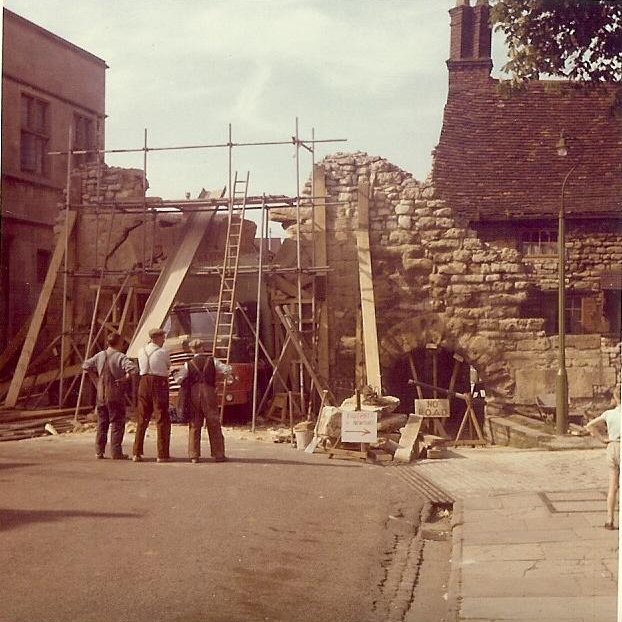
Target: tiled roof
x,y
497,158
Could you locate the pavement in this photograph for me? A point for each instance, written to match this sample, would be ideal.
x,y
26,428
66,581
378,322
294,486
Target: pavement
x,y
528,536
274,534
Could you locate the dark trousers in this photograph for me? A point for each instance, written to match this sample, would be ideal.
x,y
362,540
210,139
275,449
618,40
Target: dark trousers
x,y
110,415
153,401
204,408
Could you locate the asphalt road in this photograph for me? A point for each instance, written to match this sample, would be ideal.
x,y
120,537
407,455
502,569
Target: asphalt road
x,y
274,534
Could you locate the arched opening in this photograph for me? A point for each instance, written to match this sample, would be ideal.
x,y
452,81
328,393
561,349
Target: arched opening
x,y
436,366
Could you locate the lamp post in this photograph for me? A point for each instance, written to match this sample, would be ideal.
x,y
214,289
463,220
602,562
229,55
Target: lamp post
x,y
561,380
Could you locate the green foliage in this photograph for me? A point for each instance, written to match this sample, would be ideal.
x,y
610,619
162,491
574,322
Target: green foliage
x,y
576,39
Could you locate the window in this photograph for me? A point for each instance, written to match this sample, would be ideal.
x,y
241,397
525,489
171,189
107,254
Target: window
x,y
539,242
83,137
612,311
584,312
34,135
43,261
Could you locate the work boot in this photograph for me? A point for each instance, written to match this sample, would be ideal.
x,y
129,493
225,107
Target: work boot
x,y
100,456
137,458
221,459
163,460
194,460
120,457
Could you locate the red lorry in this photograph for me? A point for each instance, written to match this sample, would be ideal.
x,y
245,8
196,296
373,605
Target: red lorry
x,y
186,322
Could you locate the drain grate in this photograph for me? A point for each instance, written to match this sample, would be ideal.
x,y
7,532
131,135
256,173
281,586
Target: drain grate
x,y
422,485
574,501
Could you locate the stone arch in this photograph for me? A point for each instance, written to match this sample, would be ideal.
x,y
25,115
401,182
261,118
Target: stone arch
x,y
459,336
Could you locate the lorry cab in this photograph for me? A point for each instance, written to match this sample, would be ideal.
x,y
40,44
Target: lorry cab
x,y
186,322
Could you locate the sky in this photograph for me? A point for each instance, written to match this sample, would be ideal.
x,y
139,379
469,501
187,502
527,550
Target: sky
x,y
371,71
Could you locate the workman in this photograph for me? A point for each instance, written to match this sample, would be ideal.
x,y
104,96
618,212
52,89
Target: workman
x,y
611,419
110,369
198,376
154,365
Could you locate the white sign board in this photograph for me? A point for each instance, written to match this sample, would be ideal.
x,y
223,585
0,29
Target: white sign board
x,y
432,408
359,426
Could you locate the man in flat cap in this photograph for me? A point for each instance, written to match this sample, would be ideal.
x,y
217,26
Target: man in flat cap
x,y
154,364
199,377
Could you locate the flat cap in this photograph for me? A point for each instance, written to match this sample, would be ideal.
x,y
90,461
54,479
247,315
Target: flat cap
x,y
154,332
196,344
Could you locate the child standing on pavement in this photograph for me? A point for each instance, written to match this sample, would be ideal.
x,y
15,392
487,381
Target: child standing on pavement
x,y
611,418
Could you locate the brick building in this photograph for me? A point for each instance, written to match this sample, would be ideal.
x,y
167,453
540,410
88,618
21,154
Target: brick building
x,y
465,263
48,85
498,165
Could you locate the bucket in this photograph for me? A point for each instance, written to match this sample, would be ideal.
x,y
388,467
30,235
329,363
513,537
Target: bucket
x,y
303,438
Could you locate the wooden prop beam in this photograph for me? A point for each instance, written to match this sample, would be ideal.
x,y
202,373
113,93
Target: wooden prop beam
x,y
366,285
296,340
39,313
170,280
321,259
14,344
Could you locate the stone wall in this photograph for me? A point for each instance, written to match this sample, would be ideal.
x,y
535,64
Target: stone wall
x,y
436,282
592,246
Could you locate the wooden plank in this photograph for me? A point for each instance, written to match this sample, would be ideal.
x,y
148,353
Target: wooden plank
x,y
15,344
43,378
125,312
408,438
321,259
296,340
366,284
170,280
39,314
18,416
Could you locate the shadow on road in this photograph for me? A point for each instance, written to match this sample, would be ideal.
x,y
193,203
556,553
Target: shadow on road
x,y
9,519
15,465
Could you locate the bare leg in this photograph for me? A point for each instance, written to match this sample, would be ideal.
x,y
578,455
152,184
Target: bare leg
x,y
612,494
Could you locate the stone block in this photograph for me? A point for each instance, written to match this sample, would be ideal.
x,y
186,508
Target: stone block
x,y
401,236
453,267
426,222
472,244
422,212
418,266
448,223
404,207
444,244
432,234
404,222
443,212
461,255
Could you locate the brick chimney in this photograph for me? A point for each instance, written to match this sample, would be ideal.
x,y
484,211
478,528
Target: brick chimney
x,y
470,44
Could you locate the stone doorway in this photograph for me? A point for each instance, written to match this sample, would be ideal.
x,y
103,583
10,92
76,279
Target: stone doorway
x,y
435,366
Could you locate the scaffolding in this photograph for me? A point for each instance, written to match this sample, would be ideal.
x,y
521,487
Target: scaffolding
x,y
292,324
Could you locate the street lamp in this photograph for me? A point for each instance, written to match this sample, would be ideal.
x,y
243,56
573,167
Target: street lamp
x,y
561,381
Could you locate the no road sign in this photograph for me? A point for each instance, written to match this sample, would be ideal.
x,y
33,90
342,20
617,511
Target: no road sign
x,y
358,426
432,408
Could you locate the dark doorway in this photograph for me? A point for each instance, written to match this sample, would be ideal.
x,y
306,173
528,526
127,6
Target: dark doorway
x,y
434,366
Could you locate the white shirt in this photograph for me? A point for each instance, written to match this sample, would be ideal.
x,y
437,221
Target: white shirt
x,y
183,372
612,419
152,359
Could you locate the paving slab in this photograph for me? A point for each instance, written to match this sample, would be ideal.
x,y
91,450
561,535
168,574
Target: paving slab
x,y
529,542
502,552
533,609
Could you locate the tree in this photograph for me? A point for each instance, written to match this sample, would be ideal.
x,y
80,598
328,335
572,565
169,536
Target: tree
x,y
576,39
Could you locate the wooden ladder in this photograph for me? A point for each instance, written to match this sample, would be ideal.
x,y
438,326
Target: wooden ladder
x,y
223,328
